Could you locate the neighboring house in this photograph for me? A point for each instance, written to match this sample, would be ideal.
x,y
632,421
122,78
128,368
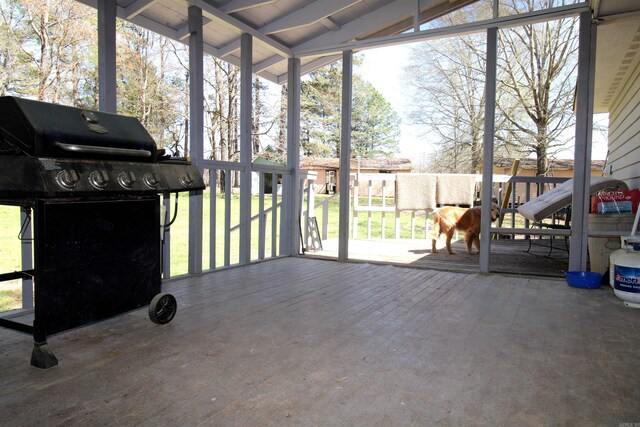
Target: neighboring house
x,y
328,170
561,168
617,92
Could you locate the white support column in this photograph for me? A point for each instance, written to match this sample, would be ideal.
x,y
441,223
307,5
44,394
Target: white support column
x,y
246,66
345,155
166,236
26,251
196,129
582,151
107,55
290,227
487,154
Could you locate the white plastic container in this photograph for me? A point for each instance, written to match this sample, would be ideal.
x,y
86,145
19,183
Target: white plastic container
x,y
624,271
612,256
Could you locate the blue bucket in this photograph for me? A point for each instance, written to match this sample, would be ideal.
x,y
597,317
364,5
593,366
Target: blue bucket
x,y
583,279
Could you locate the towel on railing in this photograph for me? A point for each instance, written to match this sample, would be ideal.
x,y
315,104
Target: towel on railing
x,y
456,189
415,191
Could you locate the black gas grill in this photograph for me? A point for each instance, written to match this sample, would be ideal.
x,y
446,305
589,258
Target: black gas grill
x,y
90,181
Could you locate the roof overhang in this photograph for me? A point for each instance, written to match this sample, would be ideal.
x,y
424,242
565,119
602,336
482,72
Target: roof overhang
x,y
617,48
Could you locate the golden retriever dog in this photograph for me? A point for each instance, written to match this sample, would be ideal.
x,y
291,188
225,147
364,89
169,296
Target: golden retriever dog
x,y
450,218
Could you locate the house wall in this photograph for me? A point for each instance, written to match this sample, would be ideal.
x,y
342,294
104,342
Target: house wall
x,y
624,133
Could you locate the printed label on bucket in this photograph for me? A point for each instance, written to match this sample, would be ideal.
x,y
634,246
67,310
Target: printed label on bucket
x,y
626,279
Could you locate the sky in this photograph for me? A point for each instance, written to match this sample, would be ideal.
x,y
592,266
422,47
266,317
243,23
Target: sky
x,y
383,68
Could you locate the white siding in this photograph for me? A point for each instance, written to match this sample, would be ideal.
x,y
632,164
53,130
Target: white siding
x,y
624,133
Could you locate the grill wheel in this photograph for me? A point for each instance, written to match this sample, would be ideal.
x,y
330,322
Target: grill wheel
x,y
162,308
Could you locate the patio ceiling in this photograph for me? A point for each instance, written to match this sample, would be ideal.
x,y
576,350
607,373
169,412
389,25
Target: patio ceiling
x,y
281,28
287,28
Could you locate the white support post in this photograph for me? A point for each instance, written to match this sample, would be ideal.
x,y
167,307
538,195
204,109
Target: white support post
x,y
166,236
356,203
107,10
383,219
261,215
345,156
311,204
274,214
196,128
246,84
213,218
26,250
582,152
487,159
290,228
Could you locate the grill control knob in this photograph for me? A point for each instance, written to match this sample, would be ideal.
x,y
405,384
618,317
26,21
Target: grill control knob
x,y
186,180
150,180
99,179
126,180
67,178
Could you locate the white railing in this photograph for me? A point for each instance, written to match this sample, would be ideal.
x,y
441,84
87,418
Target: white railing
x,y
222,221
376,203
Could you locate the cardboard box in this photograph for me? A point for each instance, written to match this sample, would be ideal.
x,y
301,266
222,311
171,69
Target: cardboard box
x,y
619,201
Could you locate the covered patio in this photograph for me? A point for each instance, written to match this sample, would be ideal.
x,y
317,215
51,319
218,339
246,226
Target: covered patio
x,y
295,340
298,341
282,41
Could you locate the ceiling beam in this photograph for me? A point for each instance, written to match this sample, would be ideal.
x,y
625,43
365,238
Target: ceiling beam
x,y
215,13
391,12
425,16
330,24
240,5
183,32
229,48
266,63
307,15
137,7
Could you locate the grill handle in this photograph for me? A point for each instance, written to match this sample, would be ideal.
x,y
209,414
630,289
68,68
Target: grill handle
x,y
88,149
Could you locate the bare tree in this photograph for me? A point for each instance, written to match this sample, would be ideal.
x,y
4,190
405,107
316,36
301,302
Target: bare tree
x,y
43,44
537,78
281,145
448,100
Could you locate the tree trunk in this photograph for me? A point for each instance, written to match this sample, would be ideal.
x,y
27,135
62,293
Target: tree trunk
x,y
257,112
282,121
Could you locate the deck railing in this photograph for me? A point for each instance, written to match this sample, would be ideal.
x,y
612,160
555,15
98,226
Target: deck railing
x,y
222,220
376,202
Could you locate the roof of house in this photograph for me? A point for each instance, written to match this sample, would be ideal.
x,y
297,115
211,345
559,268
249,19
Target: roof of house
x,y
368,164
554,164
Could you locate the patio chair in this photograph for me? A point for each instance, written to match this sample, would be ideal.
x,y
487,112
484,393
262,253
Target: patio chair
x,y
558,201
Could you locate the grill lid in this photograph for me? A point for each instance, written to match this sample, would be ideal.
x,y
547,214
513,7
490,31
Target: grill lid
x,y
41,129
